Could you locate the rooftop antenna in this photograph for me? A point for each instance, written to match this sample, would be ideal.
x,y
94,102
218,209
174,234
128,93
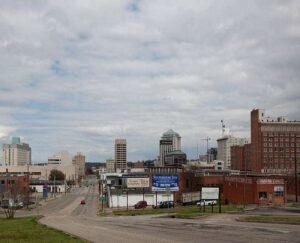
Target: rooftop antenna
x,y
223,128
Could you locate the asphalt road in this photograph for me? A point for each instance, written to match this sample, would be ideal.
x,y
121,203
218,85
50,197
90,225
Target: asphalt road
x,y
67,214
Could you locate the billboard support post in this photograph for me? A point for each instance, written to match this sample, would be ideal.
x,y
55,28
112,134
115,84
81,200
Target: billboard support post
x,y
210,193
219,199
143,194
127,200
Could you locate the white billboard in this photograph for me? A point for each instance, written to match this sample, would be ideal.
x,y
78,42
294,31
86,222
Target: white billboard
x,y
210,193
137,182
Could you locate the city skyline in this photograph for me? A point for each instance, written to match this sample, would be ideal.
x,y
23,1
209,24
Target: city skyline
x,y
77,75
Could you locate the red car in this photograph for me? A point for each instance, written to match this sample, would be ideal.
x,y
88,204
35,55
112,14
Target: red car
x,y
140,204
82,202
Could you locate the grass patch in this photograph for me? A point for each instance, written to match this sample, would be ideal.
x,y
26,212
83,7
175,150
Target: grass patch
x,y
179,211
29,230
295,204
278,219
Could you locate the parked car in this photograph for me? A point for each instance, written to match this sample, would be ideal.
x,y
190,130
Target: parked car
x,y
5,203
82,202
207,202
140,204
165,204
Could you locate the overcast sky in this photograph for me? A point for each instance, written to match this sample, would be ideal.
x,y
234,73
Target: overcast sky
x,y
75,75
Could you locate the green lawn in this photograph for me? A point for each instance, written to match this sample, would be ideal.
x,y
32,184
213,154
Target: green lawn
x,y
278,219
179,211
29,230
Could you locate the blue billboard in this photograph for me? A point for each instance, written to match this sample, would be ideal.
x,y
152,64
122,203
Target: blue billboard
x,y
160,183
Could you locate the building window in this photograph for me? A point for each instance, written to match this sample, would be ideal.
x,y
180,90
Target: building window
x,y
262,195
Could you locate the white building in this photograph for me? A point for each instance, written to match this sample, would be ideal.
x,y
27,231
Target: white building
x,y
224,145
60,158
169,142
219,164
16,153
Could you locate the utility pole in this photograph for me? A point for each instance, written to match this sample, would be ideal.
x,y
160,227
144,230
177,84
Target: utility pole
x,y
296,179
206,139
28,186
54,188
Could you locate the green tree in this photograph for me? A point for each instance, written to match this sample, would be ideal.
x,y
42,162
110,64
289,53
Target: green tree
x,y
59,176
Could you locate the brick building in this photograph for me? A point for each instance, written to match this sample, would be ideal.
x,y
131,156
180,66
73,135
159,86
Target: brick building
x,y
13,185
274,143
237,157
254,190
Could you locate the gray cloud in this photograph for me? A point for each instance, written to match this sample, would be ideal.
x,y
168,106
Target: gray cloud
x,y
77,74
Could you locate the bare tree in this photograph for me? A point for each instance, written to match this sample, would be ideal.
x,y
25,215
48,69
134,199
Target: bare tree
x,y
12,198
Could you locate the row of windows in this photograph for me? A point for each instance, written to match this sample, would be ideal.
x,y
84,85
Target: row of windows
x,y
276,134
276,139
292,145
281,150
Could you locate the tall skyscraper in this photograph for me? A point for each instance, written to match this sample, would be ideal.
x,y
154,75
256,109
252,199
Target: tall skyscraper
x,y
16,153
169,142
274,143
121,154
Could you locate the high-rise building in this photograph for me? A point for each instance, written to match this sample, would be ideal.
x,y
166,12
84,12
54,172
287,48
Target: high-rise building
x,y
274,143
79,162
16,153
169,142
121,154
224,147
110,166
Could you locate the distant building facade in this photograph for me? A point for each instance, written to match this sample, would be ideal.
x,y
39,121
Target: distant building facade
x,y
224,148
62,157
79,162
40,172
212,154
121,154
274,143
175,158
169,142
16,153
110,166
